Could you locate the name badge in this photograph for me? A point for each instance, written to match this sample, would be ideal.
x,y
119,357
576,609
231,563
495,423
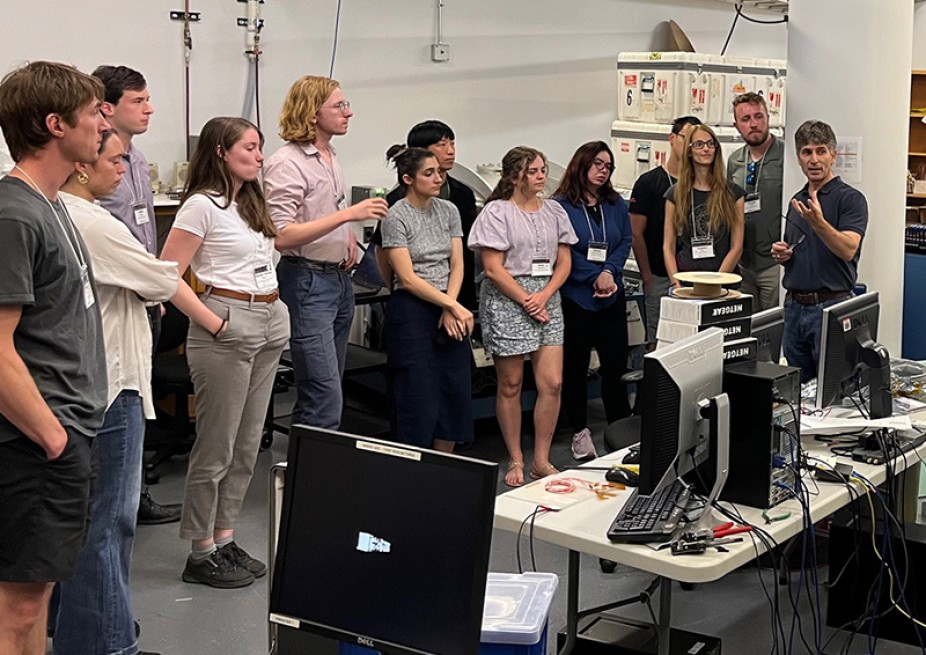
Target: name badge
x,y
141,214
89,299
597,251
265,276
342,202
702,248
753,203
541,268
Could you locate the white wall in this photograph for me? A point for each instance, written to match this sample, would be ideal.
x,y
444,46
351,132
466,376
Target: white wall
x,y
538,72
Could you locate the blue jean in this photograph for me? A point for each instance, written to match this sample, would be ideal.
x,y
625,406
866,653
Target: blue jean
x,y
95,613
321,309
801,341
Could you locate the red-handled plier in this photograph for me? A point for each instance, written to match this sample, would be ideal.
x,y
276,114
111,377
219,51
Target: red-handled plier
x,y
725,529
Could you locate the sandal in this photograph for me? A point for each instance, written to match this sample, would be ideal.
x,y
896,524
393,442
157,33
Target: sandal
x,y
544,471
514,476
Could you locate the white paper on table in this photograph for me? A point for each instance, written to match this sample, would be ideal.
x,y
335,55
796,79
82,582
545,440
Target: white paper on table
x,y
811,425
536,493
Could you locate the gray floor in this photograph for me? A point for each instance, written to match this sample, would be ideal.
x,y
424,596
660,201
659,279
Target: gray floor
x,y
185,619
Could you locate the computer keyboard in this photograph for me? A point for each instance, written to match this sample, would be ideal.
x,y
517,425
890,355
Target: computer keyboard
x,y
646,519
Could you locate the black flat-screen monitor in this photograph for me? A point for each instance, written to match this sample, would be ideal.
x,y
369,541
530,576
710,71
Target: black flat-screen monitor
x,y
679,380
383,545
852,362
768,327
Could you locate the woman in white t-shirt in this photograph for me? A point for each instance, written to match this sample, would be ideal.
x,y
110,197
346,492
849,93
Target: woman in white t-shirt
x,y
238,330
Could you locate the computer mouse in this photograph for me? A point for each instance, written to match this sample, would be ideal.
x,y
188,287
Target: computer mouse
x,y
623,476
633,457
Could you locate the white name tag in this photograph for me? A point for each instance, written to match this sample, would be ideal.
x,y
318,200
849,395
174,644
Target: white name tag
x,y
541,268
141,214
753,203
89,299
597,251
702,249
265,276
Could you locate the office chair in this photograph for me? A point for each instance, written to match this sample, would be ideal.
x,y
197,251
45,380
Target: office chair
x,y
169,435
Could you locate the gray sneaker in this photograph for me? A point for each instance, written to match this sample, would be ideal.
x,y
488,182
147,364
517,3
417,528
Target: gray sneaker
x,y
582,445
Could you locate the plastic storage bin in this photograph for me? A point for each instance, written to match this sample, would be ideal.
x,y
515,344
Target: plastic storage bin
x,y
517,607
514,620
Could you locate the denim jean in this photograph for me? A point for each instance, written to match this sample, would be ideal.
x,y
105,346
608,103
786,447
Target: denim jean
x,y
321,309
95,613
801,341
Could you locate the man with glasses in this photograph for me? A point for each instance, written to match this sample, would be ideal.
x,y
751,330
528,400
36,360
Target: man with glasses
x,y
128,109
758,168
306,196
826,222
648,218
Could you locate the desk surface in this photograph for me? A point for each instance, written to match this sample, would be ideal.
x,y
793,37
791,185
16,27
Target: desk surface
x,y
582,526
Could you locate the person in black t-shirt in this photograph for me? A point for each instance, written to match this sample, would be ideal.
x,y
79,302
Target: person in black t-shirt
x,y
648,217
438,138
704,213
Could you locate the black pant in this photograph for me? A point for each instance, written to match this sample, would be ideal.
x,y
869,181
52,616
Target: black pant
x,y
606,331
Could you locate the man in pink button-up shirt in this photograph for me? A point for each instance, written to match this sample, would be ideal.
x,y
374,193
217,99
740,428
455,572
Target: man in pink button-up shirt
x,y
307,198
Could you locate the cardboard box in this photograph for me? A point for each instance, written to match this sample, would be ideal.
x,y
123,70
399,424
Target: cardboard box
x,y
740,350
705,312
672,331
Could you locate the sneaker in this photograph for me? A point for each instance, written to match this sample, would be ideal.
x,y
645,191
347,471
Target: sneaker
x,y
582,445
151,512
217,571
235,553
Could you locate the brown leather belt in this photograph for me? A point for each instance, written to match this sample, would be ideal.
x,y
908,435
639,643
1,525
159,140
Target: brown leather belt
x,y
238,295
816,297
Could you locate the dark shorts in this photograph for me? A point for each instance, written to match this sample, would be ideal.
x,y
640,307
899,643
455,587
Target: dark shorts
x,y
45,509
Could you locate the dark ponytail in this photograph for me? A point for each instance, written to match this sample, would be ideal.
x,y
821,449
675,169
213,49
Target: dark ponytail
x,y
407,161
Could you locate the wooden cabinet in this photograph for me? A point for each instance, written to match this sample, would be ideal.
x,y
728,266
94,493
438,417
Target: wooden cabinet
x,y
916,149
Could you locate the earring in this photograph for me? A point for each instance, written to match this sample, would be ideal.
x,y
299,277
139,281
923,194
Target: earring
x,y
83,178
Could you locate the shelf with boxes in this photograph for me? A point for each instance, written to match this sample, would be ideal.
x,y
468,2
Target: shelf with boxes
x,y
916,147
654,88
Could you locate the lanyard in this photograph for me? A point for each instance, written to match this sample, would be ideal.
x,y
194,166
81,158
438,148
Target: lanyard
x,y
70,233
540,235
138,196
694,223
604,227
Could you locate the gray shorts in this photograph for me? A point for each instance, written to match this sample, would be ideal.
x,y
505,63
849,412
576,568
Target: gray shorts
x,y
508,330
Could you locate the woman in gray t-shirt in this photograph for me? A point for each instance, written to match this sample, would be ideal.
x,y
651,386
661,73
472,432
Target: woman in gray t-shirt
x,y
427,329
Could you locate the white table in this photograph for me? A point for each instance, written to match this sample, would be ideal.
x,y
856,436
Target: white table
x,y
582,528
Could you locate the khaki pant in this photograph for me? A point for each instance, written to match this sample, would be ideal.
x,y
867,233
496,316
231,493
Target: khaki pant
x,y
233,380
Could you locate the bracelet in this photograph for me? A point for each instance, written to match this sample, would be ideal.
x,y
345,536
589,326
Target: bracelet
x,y
221,327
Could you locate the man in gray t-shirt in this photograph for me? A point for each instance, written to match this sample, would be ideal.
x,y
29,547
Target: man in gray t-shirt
x,y
53,386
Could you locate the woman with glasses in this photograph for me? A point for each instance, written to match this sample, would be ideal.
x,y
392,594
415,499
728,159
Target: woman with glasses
x,y
594,305
427,329
704,213
524,245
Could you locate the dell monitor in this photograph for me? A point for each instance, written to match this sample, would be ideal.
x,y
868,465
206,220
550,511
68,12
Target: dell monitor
x,y
383,545
768,328
852,362
680,382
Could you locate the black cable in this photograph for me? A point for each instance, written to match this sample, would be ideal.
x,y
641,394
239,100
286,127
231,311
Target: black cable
x,y
777,21
334,46
729,34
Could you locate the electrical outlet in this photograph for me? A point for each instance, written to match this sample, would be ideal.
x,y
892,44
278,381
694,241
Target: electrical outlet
x,y
440,52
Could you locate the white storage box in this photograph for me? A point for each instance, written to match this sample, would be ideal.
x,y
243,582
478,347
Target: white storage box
x,y
517,607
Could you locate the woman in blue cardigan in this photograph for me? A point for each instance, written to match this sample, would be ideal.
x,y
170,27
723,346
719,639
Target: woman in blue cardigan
x,y
594,306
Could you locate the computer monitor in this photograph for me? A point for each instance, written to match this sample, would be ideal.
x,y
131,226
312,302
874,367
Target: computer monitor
x,y
680,382
383,545
768,327
852,362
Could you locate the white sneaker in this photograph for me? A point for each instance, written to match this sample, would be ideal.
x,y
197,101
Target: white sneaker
x,y
582,445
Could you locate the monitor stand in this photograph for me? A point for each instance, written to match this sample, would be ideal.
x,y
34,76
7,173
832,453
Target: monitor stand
x,y
718,414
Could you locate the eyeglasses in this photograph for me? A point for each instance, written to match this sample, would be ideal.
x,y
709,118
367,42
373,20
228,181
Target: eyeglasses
x,y
343,106
751,172
603,165
701,145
